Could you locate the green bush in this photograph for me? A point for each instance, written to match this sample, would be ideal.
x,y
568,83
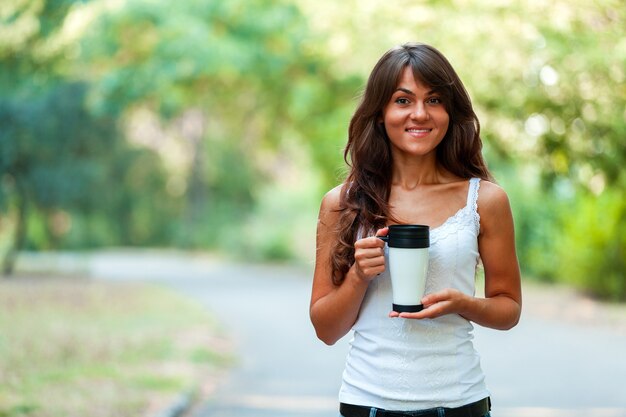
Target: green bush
x,y
592,246
569,235
537,215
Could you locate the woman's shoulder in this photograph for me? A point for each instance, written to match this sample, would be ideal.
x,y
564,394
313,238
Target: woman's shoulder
x,y
493,201
332,199
491,193
330,207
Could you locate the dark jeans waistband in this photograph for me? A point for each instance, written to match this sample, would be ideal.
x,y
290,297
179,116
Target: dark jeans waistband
x,y
476,409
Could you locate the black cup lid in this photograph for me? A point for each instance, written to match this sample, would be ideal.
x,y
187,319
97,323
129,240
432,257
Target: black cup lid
x,y
408,236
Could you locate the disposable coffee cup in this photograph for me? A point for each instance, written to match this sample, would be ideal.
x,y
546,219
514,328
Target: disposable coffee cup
x,y
408,264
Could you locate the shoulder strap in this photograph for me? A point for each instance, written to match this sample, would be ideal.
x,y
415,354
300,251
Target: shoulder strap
x,y
472,200
472,192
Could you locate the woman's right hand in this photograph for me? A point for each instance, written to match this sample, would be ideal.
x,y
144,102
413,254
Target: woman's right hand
x,y
369,256
335,307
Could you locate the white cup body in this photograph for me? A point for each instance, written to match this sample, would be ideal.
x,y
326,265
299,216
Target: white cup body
x,y
408,268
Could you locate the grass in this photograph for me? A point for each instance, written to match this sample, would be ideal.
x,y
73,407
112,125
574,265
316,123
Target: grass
x,y
75,347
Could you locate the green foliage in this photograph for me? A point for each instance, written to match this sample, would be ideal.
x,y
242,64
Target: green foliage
x,y
283,220
251,100
32,45
48,143
248,71
592,244
62,163
569,236
563,119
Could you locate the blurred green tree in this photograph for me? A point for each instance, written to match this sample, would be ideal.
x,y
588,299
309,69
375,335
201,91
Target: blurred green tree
x,y
33,44
48,149
61,165
235,80
564,113
31,52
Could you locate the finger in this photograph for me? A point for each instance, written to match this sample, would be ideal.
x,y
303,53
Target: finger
x,y
371,265
426,313
429,312
369,242
371,253
436,310
382,232
418,315
436,297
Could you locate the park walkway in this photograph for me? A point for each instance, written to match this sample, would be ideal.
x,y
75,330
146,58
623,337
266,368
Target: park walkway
x,y
565,358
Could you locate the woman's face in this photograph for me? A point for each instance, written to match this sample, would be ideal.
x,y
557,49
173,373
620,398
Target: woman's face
x,y
415,117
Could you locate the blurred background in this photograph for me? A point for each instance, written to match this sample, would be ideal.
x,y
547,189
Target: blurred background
x,y
218,125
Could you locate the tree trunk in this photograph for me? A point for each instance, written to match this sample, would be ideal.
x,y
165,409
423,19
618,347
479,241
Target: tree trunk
x,y
19,237
193,129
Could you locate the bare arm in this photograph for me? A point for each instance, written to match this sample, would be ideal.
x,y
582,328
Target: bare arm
x,y
501,307
334,309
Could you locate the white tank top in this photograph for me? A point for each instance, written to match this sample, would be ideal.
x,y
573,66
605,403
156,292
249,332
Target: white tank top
x,y
404,364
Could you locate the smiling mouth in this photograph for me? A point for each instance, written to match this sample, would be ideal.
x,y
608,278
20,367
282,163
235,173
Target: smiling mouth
x,y
418,130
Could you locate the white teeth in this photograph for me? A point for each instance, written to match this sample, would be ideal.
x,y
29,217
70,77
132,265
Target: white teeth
x,y
418,130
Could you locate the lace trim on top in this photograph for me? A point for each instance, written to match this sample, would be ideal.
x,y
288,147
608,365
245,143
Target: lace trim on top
x,y
465,216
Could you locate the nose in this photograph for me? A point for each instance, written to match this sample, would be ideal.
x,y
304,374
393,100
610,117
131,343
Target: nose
x,y
420,112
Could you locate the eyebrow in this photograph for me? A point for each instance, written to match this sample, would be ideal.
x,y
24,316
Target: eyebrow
x,y
407,91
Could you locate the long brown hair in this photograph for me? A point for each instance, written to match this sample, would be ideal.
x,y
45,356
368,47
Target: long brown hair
x,y
364,203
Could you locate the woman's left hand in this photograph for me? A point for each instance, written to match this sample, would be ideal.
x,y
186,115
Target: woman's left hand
x,y
448,301
502,305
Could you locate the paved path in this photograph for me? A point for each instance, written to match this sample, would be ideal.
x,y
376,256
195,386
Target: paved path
x,y
545,367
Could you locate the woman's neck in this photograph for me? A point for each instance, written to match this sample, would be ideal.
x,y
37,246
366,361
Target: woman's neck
x,y
414,172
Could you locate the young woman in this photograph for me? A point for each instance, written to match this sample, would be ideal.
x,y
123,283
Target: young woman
x,y
414,152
